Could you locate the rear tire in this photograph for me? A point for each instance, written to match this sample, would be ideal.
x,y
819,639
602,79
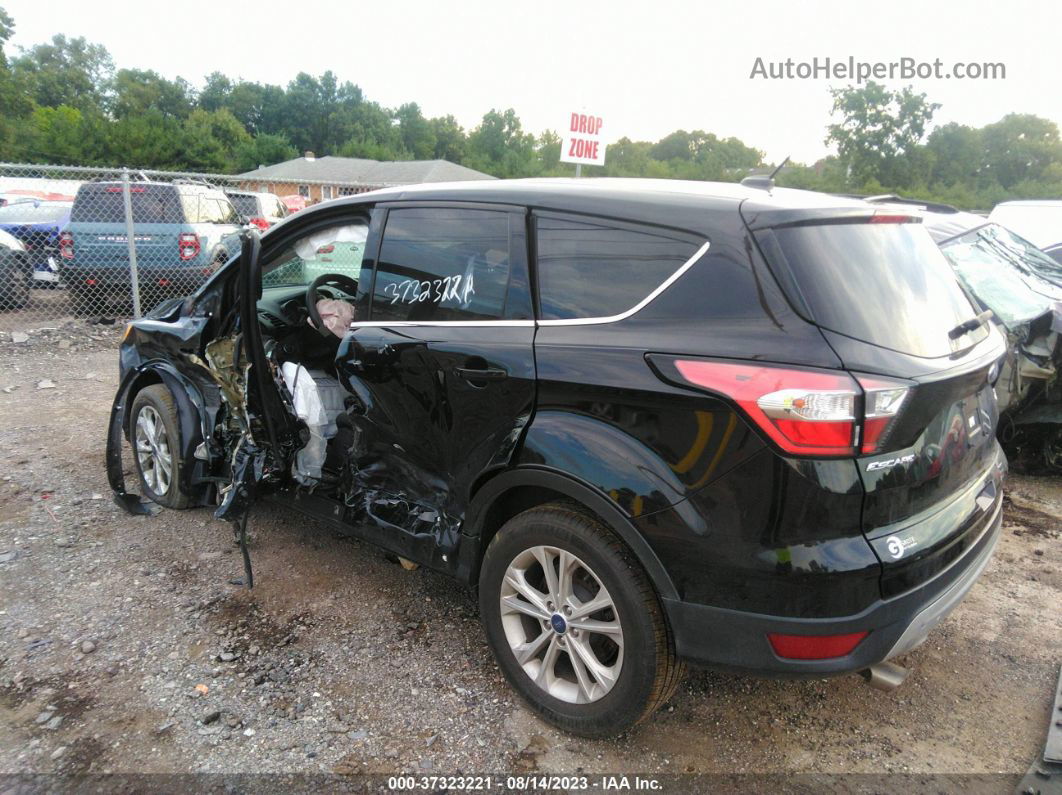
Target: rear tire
x,y
155,433
594,674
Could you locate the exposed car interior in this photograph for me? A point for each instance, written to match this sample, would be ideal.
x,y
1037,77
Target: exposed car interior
x,y
308,289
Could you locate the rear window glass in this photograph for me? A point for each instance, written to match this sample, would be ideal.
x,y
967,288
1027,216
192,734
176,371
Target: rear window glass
x,y
103,204
887,284
589,270
247,206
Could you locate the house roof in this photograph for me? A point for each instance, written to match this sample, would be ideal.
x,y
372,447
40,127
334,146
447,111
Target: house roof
x,y
366,172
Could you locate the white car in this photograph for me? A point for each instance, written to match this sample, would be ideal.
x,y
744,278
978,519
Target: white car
x,y
1039,221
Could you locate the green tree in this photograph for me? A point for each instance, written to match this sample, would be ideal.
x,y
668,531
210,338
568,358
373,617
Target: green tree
x,y
878,128
1020,147
137,91
210,141
418,135
150,139
265,149
65,71
65,136
958,154
451,143
14,104
499,146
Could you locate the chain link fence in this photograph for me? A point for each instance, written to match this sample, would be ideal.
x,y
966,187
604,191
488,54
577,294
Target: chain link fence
x,y
113,243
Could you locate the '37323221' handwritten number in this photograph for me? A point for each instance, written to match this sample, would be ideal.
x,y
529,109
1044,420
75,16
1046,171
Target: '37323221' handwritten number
x,y
414,291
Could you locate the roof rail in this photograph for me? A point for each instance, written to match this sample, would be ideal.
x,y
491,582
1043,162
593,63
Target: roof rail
x,y
191,181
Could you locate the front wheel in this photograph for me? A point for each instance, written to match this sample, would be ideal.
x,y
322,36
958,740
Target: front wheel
x,y
156,437
574,622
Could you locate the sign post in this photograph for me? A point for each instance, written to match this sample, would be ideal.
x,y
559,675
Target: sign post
x,y
581,142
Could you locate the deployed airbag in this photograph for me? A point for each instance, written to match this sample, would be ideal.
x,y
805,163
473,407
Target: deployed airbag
x,y
318,400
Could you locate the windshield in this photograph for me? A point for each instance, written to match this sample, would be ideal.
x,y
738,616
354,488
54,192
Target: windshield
x,y
34,213
990,261
1024,256
335,249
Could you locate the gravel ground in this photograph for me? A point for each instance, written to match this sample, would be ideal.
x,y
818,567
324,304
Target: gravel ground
x,y
125,647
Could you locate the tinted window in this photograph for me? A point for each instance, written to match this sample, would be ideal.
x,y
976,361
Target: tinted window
x,y
886,283
443,264
247,206
103,204
598,270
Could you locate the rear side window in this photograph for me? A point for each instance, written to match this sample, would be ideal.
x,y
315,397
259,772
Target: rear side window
x,y
596,269
439,264
883,283
103,204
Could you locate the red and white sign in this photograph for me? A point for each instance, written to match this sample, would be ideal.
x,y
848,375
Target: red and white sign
x,y
581,141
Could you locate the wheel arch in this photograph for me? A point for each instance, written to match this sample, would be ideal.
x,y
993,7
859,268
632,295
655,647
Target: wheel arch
x,y
516,490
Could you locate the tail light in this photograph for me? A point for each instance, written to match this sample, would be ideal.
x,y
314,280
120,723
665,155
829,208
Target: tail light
x,y
814,647
805,412
261,223
883,402
188,246
66,245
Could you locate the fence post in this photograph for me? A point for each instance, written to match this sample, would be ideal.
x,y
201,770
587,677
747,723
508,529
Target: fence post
x,y
134,280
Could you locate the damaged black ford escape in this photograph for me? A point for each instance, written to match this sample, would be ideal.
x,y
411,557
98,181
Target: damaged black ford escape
x,y
649,422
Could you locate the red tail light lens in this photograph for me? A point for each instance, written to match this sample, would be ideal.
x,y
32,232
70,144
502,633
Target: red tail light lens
x,y
814,647
261,223
66,245
884,400
805,412
188,246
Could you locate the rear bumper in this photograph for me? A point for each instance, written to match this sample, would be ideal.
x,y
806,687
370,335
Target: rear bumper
x,y
737,640
172,278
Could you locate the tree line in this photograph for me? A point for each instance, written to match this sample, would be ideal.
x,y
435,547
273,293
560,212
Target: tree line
x,y
63,102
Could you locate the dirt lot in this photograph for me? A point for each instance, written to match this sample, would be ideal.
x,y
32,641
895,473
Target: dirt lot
x,y
124,646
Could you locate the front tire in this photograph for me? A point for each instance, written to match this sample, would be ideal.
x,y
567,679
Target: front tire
x,y
15,282
155,434
574,622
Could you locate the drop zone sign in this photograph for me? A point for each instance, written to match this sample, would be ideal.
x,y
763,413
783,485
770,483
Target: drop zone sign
x,y
582,142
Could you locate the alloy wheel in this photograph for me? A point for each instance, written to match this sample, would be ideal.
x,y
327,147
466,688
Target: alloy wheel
x,y
561,624
153,450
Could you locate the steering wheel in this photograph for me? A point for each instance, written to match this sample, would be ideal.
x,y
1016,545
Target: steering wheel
x,y
345,283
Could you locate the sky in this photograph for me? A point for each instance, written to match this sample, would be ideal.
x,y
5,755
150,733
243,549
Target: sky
x,y
646,69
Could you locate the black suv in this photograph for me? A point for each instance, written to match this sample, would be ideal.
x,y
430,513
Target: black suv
x,y
647,421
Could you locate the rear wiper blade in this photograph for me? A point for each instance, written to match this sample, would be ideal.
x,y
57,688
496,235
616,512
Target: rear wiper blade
x,y
971,324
